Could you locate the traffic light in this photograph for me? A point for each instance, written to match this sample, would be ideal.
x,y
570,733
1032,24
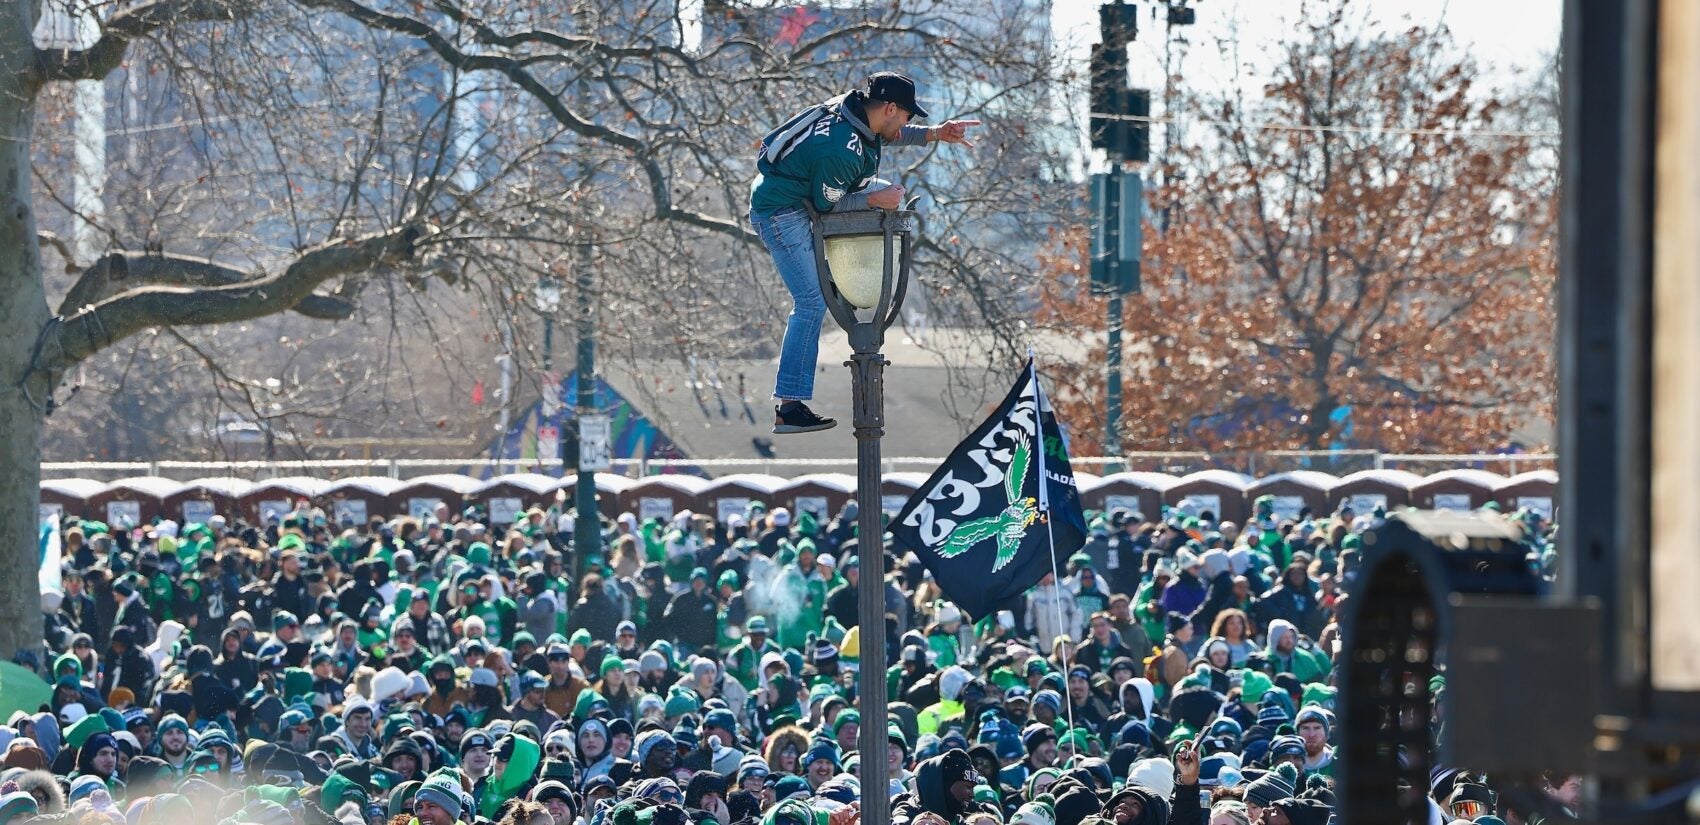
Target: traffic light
x,y
1111,99
1109,88
1120,23
1135,143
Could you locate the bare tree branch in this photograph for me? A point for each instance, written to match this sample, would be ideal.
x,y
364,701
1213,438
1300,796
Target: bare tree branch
x,y
93,327
639,149
121,272
98,60
324,307
59,245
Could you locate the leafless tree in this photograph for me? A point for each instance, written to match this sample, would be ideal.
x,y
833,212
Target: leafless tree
x,y
413,170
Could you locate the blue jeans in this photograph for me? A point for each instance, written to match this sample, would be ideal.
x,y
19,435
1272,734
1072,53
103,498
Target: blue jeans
x,y
789,237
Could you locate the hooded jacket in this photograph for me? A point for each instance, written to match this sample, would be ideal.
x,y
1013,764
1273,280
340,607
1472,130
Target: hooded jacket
x,y
132,669
791,736
515,775
1154,809
1307,665
819,157
86,753
932,795
1290,599
241,671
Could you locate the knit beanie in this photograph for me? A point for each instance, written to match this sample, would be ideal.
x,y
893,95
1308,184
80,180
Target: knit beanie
x,y
822,750
442,790
1157,775
1272,787
648,740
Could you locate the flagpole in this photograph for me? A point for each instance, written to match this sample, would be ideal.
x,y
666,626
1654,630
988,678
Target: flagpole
x,y
1045,506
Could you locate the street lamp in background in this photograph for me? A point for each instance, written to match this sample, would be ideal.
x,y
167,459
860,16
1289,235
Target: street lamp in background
x,y
547,296
587,528
862,259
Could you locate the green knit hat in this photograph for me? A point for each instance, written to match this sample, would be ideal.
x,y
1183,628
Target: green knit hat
x,y
1077,737
843,718
86,727
401,799
680,703
1319,694
1253,686
587,699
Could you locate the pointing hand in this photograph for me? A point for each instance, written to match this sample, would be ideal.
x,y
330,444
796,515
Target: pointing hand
x,y
955,131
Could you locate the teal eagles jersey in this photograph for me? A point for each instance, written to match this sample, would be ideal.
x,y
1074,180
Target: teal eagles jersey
x,y
820,155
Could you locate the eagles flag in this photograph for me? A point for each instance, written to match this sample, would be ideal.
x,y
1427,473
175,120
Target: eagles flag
x,y
1003,509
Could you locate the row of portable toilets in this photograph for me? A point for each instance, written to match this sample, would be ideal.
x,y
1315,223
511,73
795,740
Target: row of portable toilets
x,y
129,502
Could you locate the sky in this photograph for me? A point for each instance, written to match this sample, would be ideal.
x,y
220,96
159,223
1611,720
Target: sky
x,y
1505,36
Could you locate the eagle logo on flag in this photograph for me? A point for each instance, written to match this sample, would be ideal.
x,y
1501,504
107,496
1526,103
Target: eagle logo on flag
x,y
1008,526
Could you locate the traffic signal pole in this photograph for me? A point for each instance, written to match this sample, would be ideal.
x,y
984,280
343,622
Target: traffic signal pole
x,y
1119,125
1109,272
1113,379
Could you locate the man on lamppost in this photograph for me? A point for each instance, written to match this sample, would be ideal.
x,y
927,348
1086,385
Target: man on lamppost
x,y
827,157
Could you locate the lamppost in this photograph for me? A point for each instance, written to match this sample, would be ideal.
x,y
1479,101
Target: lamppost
x,y
587,528
547,296
862,258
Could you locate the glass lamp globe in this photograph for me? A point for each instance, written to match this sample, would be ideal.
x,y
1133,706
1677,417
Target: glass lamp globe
x,y
858,267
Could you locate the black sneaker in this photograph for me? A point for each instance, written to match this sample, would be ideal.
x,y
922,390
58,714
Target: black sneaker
x,y
796,417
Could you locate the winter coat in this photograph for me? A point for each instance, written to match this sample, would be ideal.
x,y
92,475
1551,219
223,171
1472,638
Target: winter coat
x,y
133,614
515,776
1097,657
1183,595
1296,605
1124,567
1052,611
841,604
537,614
1218,597
931,795
239,673
1304,662
690,619
291,595
595,613
133,670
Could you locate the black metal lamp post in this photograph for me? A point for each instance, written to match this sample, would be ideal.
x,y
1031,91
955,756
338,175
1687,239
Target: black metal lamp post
x,y
587,527
863,261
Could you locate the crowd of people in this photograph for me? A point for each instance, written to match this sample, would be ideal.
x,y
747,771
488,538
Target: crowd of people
x,y
428,671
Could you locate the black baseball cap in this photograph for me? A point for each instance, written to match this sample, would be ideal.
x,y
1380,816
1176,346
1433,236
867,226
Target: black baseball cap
x,y
892,87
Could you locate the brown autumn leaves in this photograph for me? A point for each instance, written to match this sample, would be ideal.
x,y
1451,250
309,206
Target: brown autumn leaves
x,y
1385,281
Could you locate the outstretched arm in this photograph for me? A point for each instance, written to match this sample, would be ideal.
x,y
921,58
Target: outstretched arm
x,y
951,131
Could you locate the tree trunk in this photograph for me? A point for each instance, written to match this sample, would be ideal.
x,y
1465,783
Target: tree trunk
x,y
23,308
